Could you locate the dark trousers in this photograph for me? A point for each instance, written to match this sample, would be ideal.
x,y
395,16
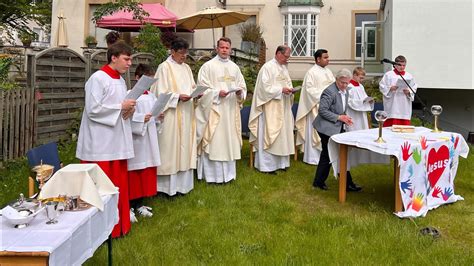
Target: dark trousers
x,y
324,165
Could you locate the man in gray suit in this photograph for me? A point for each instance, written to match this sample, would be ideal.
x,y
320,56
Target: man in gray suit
x,y
331,120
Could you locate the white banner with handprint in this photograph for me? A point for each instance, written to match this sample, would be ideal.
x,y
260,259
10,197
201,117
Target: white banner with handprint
x,y
428,163
427,171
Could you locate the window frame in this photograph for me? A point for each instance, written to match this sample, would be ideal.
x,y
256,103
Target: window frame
x,y
354,34
311,40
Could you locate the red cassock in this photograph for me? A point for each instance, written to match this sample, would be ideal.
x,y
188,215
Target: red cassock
x,y
117,171
394,121
142,183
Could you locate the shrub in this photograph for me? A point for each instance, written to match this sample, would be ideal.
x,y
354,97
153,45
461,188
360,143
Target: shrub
x,y
90,39
149,41
250,32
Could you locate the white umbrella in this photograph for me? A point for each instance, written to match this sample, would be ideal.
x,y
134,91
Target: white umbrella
x,y
210,18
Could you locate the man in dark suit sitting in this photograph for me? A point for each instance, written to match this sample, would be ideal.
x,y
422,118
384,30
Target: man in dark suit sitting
x,y
331,120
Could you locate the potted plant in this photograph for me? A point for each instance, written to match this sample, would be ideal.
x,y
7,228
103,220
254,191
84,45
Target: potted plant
x,y
90,41
26,38
251,34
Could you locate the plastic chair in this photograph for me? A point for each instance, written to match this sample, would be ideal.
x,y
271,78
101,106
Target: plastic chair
x,y
372,122
46,154
244,119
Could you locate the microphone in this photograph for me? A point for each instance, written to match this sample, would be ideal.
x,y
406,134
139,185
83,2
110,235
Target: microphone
x,y
388,61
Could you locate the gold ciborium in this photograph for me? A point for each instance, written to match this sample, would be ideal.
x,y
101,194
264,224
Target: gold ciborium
x,y
436,110
380,116
43,173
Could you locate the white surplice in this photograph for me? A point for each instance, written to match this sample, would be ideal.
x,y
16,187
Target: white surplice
x,y
104,135
396,103
307,139
178,137
145,136
221,141
357,109
271,121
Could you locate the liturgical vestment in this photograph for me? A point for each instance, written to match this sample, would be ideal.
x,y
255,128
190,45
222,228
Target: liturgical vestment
x,y
219,120
178,137
307,139
271,121
105,138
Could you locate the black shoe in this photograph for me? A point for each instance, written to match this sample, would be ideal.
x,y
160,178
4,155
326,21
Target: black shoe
x,y
353,188
321,186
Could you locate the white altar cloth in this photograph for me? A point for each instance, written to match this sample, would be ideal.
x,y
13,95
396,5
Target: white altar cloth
x,y
428,163
71,241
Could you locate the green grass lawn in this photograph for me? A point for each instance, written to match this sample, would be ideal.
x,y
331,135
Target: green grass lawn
x,y
279,219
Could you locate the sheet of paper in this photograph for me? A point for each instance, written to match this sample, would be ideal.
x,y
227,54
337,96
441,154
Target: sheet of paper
x,y
160,104
199,90
296,89
140,87
401,84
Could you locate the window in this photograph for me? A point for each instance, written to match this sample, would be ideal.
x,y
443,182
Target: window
x,y
370,35
301,29
37,32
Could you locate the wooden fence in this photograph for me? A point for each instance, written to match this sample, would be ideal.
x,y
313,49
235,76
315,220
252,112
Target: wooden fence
x,y
17,120
57,75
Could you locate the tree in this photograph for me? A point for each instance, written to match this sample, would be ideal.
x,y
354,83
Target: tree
x,y
149,41
15,16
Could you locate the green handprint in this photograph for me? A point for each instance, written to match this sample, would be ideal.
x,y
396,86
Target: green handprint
x,y
416,156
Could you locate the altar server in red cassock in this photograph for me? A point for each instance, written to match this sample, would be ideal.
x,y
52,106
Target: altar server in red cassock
x,y
397,97
142,168
105,135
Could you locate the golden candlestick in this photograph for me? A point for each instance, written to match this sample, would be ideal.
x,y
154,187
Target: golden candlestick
x,y
380,116
380,139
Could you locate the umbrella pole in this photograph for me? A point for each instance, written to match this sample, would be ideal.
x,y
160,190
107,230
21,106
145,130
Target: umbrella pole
x,y
213,39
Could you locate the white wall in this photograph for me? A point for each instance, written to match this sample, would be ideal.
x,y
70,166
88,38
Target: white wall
x,y
436,37
74,12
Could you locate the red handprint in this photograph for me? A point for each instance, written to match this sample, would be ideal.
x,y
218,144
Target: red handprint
x,y
456,142
423,143
436,192
405,151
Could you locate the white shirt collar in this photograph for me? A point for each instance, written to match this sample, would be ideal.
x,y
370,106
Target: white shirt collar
x,y
225,60
170,58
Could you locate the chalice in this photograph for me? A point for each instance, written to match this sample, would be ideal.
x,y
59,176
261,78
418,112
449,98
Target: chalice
x,y
43,173
436,110
380,116
52,211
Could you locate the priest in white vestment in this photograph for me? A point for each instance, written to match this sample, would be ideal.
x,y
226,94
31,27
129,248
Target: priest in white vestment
x,y
315,81
178,137
397,97
221,141
271,121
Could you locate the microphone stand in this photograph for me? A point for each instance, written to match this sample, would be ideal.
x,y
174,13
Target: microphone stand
x,y
423,105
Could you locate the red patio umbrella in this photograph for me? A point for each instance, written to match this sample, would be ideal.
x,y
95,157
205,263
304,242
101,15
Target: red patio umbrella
x,y
123,20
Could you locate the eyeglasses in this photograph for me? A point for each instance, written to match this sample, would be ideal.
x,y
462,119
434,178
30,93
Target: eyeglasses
x,y
182,52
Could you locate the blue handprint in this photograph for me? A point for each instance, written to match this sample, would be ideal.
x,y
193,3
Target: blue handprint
x,y
448,192
405,185
452,138
451,152
410,170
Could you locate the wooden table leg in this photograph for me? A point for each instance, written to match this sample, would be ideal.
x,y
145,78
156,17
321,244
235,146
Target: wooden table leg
x,y
342,172
396,177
